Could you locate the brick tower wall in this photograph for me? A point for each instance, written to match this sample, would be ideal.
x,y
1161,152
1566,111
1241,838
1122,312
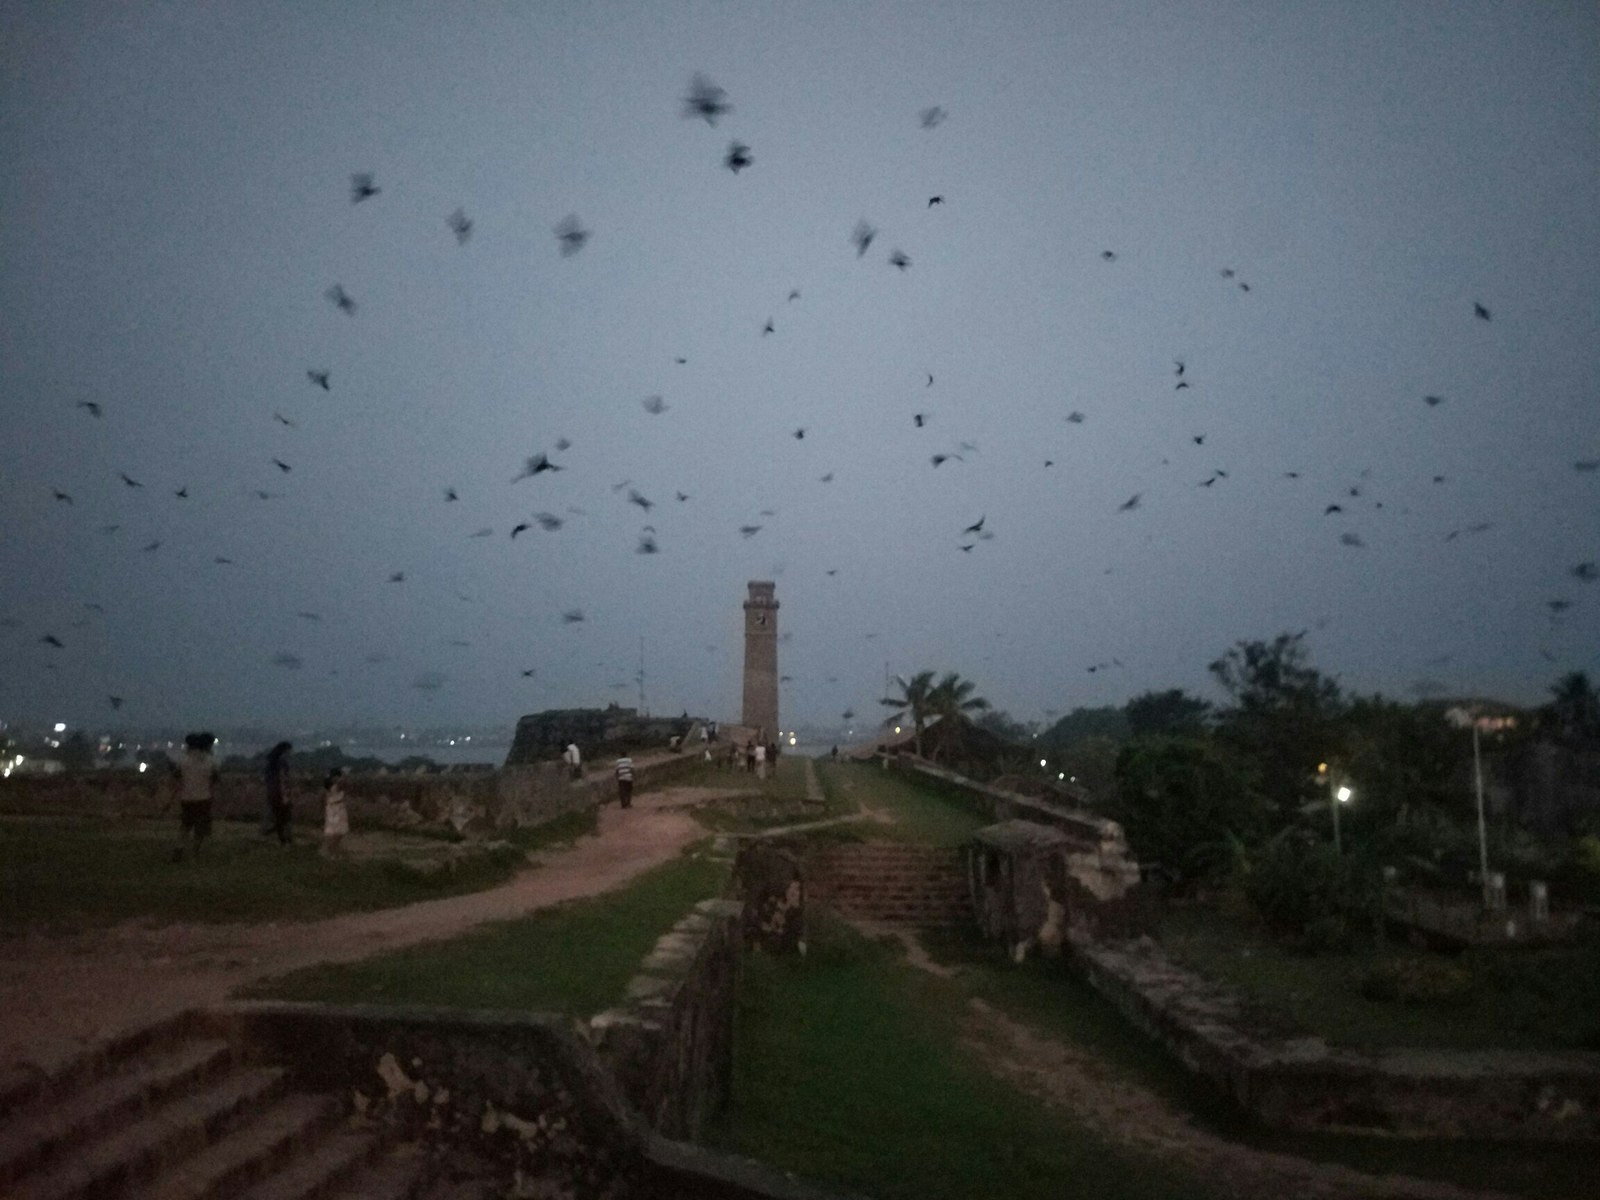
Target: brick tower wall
x,y
761,659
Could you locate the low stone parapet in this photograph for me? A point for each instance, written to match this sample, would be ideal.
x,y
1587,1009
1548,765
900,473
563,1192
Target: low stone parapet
x,y
1305,1085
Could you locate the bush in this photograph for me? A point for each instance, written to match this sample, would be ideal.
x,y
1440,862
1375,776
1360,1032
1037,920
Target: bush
x,y
1303,889
1432,982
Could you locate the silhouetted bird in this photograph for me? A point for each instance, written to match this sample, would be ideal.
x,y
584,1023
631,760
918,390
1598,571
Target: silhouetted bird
x,y
116,701
705,99
654,405
460,225
223,560
1331,509
309,616
1585,571
1433,401
738,157
794,294
967,547
977,526
520,527
1131,503
529,673
933,117
362,187
94,409
862,237
647,545
291,662
932,200
634,497
1109,255
749,530
767,328
129,480
1557,607
572,616
1227,272
919,419
1075,418
282,466
799,435
548,522
900,259
398,577
536,465
320,378
63,497
939,459
1181,368
563,443
682,496
571,234
1479,311
182,493
450,494
51,639
341,299
1182,383
1587,465
283,420
1438,478
828,478
1199,439
1351,539
151,547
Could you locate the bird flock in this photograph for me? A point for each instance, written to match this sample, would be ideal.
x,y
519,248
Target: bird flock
x,y
1353,510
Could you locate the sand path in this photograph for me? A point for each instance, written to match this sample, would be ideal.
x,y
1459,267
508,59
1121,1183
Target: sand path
x,y
61,994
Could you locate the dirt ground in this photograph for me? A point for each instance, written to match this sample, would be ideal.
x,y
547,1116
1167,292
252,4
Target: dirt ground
x,y
61,994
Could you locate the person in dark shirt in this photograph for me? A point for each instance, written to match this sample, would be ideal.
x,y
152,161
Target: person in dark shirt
x,y
278,807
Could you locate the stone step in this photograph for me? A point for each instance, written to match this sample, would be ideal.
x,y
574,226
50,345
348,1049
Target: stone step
x,y
44,1135
27,1087
324,1169
290,1127
133,1154
401,1173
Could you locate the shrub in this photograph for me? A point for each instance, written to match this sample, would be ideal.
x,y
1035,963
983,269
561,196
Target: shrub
x,y
1303,889
1433,982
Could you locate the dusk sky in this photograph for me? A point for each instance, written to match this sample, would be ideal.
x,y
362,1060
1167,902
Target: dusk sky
x,y
176,204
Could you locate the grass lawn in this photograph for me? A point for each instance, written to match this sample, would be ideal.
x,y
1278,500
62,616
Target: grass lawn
x,y
850,1071
72,872
924,810
1047,996
757,804
1520,999
575,958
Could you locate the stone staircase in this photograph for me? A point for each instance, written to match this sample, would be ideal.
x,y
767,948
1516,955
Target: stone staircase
x,y
893,884
178,1113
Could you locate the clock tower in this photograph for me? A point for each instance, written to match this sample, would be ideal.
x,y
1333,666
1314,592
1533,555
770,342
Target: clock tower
x,y
761,659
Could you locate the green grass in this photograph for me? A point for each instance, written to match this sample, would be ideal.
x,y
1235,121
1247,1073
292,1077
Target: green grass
x,y
75,872
924,811
1521,999
851,1072
756,804
575,958
1046,995
558,831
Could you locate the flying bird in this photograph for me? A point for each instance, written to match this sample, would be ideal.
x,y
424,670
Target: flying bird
x,y
283,420
647,544
571,234
767,328
682,496
799,435
794,293
536,465
320,378
705,100
563,443
1181,368
116,701
1586,465
1182,383
900,259
933,117
634,497
1131,503
461,225
1074,418
548,522
1331,509
182,493
1198,439
450,494
1109,255
654,405
282,466
976,527
51,639
223,561
63,497
520,527
939,459
341,299
919,419
1433,401
1227,272
1351,539
362,187
1557,607
398,577
129,480
932,200
862,237
309,616
1586,571
828,478
572,616
1479,311
94,408
738,157
529,673
749,530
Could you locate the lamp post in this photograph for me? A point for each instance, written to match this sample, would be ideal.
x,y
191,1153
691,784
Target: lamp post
x,y
1483,833
1338,796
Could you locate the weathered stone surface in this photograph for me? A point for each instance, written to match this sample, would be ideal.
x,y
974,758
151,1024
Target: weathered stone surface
x,y
772,884
542,736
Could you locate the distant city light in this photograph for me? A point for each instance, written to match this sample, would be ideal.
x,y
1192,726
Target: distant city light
x,y
61,726
1041,762
143,767
897,729
1061,774
791,739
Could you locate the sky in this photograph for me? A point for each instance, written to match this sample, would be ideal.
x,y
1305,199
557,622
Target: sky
x,y
1300,204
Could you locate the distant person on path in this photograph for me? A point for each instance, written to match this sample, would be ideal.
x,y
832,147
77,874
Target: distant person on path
x,y
574,760
335,814
750,758
197,788
625,780
760,753
278,810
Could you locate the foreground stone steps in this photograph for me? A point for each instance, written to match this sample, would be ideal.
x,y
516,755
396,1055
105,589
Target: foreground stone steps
x,y
893,884
177,1116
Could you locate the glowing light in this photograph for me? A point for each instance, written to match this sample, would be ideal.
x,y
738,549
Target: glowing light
x,y
61,726
1344,794
897,729
143,767
1041,762
1061,774
791,739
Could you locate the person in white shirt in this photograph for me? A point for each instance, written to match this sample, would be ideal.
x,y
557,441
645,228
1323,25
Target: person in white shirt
x,y
761,761
574,760
625,780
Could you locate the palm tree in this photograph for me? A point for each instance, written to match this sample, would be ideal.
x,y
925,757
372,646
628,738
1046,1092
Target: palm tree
x,y
914,701
951,700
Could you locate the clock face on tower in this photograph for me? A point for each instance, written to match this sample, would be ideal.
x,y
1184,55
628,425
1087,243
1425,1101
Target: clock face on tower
x,y
761,618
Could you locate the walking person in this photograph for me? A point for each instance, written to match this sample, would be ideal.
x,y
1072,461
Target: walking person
x,y
335,814
625,780
760,753
750,758
574,760
278,809
197,777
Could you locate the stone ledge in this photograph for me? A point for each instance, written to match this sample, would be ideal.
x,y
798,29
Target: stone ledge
x,y
1303,1084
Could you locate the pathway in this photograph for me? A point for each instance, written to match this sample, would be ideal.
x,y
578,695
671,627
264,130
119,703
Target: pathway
x,y
61,994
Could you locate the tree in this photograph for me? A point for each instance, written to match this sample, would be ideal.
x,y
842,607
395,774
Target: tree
x,y
1573,713
951,700
1004,725
914,701
77,752
1172,712
1107,722
1284,719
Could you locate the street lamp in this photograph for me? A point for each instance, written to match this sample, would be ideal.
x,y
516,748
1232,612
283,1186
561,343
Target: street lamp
x,y
1483,835
1340,796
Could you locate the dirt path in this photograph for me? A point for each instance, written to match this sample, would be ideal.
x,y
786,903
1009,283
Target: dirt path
x,y
59,995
